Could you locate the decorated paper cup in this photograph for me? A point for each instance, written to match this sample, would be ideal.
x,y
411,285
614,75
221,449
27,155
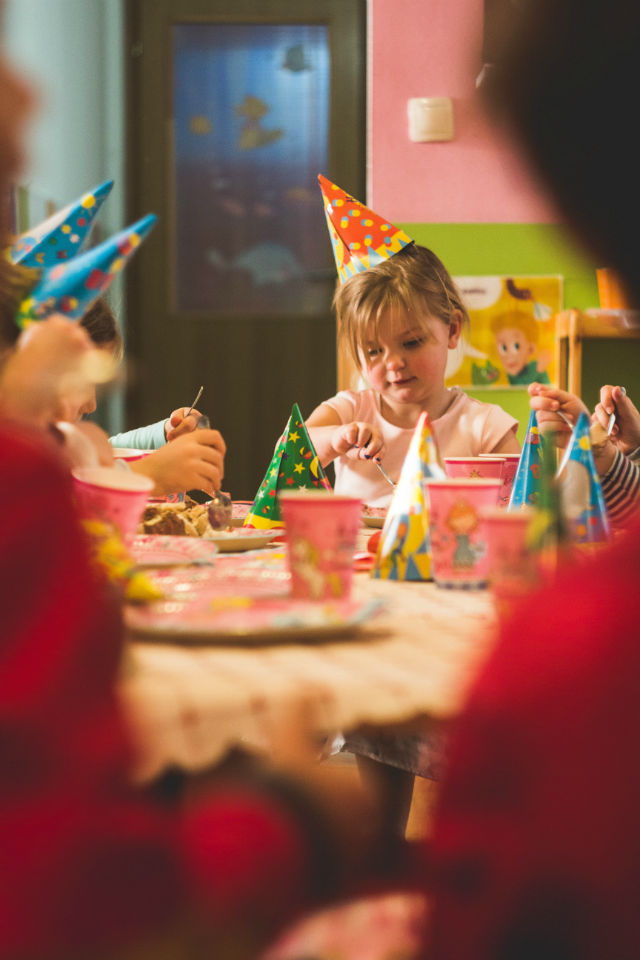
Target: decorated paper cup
x,y
458,540
112,496
321,531
509,470
474,468
507,543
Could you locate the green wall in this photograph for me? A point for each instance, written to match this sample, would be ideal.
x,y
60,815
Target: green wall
x,y
525,249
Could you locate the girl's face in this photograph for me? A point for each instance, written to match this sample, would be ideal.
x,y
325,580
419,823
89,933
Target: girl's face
x,y
406,363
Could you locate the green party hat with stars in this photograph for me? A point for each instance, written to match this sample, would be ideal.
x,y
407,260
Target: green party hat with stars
x,y
294,466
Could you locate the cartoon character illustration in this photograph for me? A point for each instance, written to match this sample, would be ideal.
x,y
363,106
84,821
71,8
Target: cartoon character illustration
x,y
252,134
462,519
516,334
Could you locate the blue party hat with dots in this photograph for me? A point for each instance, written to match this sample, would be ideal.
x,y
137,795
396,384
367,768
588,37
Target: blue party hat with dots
x,y
71,288
404,550
527,481
60,237
581,494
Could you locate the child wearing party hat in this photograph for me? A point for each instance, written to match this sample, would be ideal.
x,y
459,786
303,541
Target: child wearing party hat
x,y
399,313
613,442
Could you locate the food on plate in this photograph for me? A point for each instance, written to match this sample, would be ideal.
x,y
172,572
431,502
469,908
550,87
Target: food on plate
x,y
181,519
368,511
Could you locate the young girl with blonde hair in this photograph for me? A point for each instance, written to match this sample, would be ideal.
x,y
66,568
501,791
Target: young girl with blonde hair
x,y
398,321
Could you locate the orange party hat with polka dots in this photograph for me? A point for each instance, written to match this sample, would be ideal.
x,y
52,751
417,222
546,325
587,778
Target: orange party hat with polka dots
x,y
360,238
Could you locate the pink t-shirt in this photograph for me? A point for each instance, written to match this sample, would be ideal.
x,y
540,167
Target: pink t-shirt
x,y
468,427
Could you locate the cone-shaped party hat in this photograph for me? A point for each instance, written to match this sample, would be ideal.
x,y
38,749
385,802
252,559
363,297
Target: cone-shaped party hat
x,y
580,490
359,237
526,483
70,288
61,236
403,551
294,465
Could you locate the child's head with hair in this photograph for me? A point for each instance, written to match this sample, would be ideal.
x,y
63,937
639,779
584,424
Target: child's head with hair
x,y
516,334
413,287
100,323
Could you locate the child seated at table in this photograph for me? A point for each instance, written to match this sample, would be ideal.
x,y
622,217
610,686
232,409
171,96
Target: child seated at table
x,y
615,455
179,461
399,313
398,320
189,461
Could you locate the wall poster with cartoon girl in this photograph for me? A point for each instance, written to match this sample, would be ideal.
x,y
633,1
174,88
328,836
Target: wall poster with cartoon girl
x,y
510,341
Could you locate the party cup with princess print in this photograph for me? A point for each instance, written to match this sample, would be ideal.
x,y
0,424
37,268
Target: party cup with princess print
x,y
321,530
509,470
459,556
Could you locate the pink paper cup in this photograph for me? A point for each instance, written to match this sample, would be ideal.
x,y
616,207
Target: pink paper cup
x,y
510,558
111,496
458,540
474,468
509,470
321,531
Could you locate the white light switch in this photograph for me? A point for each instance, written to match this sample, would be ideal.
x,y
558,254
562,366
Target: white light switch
x,y
430,118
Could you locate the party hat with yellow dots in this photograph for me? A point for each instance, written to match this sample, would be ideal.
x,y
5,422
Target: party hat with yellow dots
x,y
526,483
404,549
580,489
360,238
294,465
70,288
61,236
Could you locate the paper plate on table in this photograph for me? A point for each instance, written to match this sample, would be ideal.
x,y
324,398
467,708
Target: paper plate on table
x,y
155,550
374,516
240,538
250,620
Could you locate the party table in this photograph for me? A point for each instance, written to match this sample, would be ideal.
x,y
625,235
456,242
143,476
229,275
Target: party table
x,y
189,702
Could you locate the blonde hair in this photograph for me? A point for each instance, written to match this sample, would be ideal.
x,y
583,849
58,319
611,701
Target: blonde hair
x,y
516,320
413,281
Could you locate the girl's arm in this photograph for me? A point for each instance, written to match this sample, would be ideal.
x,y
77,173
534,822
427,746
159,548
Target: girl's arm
x,y
332,438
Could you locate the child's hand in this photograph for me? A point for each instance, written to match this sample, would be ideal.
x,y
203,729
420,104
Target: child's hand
x,y
179,423
194,461
626,429
358,441
552,406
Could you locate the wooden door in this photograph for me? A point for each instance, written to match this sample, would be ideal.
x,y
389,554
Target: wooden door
x,y
234,107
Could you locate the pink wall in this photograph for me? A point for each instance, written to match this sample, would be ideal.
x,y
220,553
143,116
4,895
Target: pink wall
x,y
422,48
